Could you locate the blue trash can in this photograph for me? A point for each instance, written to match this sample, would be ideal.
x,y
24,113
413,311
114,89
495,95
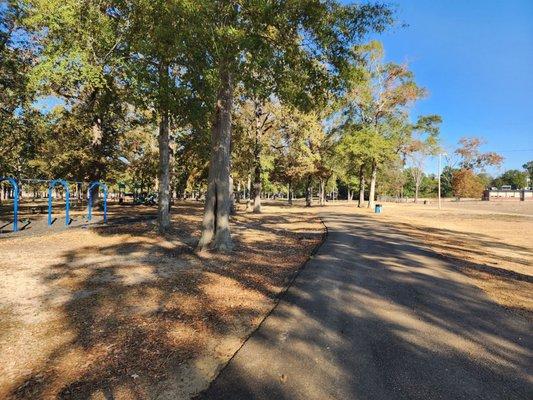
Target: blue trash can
x,y
377,208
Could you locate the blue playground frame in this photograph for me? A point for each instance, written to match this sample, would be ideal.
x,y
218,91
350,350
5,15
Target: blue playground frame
x,y
67,202
92,185
15,185
52,184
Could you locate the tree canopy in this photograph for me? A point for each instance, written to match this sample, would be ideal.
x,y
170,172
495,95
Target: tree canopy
x,y
217,100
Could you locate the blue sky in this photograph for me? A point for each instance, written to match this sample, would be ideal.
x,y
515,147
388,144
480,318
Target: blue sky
x,y
476,59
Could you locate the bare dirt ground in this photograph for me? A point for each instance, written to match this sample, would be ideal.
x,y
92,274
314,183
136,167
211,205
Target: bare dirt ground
x,y
121,312
491,242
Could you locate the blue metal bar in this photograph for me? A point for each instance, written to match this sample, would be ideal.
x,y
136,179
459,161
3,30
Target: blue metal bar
x,y
90,202
50,205
67,200
67,205
16,207
105,204
15,185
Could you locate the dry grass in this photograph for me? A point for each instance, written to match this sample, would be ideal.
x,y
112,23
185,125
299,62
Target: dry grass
x,y
122,312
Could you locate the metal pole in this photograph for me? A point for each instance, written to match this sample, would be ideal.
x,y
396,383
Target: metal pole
x,y
440,205
16,207
67,204
13,182
105,205
89,203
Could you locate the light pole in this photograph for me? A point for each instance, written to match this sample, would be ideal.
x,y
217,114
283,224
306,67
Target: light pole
x,y
440,203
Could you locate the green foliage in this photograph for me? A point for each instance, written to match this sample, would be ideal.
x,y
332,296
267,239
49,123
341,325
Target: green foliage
x,y
428,185
297,148
446,179
77,45
17,119
517,179
119,66
529,168
375,128
79,57
485,179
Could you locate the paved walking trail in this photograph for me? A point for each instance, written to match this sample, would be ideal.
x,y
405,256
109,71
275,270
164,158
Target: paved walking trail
x,y
375,315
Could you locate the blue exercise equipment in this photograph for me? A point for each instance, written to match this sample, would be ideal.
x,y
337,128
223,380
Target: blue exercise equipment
x,y
51,186
15,185
92,185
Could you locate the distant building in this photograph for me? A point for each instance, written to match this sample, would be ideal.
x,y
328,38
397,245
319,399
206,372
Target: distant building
x,y
506,193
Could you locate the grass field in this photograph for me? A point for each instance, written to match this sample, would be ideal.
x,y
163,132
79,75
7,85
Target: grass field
x,y
122,311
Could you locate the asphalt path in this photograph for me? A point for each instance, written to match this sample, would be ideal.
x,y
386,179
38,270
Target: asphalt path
x,y
376,315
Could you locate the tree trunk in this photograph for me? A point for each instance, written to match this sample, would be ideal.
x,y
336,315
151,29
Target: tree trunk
x,y
163,176
257,185
308,193
372,194
322,192
417,186
361,186
289,194
215,225
233,209
257,158
163,210
238,192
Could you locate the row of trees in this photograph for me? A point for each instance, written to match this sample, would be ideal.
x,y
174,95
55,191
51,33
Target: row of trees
x,y
515,178
465,175
127,67
212,97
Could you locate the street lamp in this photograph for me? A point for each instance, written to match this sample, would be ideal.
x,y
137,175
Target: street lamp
x,y
440,154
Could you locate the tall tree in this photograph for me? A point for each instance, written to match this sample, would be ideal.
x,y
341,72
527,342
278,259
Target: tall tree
x,y
422,145
465,182
16,116
78,50
355,151
297,149
156,74
378,94
268,44
529,169
255,120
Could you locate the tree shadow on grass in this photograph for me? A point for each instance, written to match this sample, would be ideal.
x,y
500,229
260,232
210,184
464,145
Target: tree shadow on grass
x,y
133,313
447,241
